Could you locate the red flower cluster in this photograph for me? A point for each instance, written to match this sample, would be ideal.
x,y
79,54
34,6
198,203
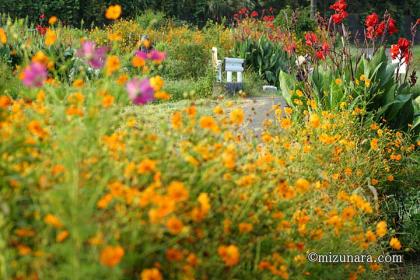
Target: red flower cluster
x,y
374,28
340,11
321,51
41,29
311,39
401,50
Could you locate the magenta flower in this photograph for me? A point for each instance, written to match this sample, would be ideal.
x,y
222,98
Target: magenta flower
x,y
157,56
34,75
95,57
140,91
142,55
154,55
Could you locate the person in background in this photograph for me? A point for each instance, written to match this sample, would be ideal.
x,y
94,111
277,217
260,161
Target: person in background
x,y
145,44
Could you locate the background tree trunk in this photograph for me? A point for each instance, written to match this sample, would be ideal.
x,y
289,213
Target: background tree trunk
x,y
313,8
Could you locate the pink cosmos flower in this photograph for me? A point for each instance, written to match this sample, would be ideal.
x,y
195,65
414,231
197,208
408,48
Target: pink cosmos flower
x,y
95,57
34,75
140,91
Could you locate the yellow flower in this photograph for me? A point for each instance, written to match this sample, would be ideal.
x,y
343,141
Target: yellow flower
x,y
314,120
370,236
395,243
53,20
338,82
50,37
302,185
237,116
3,36
151,274
114,37
299,93
362,77
381,228
174,225
112,64
229,254
218,110
111,255
390,178
286,123
79,83
157,83
374,144
367,83
113,12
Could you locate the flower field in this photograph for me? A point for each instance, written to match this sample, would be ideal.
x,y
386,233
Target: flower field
x,y
106,174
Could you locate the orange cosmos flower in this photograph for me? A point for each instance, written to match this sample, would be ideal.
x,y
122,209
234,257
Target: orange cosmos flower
x,y
3,36
50,38
209,123
107,101
395,243
177,191
146,166
381,229
62,235
5,101
174,225
122,79
138,62
229,254
36,129
53,221
173,254
111,255
151,274
112,64
176,120
113,12
162,95
53,20
25,232
245,227
24,250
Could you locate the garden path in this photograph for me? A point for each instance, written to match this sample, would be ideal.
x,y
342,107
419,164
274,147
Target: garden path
x,y
258,109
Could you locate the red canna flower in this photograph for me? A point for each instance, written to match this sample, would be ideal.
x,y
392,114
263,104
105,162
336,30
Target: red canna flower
x,y
371,20
395,51
380,28
254,14
392,27
401,50
340,14
338,18
310,38
339,6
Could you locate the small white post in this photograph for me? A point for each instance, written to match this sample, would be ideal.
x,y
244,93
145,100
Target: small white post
x,y
239,77
229,76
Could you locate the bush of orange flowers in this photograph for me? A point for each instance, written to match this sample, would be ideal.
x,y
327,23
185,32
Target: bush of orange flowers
x,y
93,187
